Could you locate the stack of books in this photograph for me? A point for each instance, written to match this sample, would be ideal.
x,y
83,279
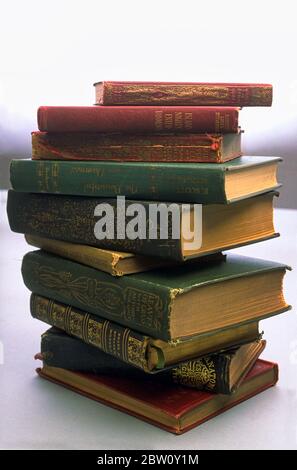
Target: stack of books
x,y
132,203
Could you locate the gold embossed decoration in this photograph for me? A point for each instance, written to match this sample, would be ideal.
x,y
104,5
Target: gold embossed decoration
x,y
90,292
198,374
136,352
262,95
94,333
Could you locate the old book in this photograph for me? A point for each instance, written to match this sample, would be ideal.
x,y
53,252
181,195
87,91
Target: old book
x,y
183,93
218,373
205,183
211,148
137,119
165,303
116,263
141,351
170,407
71,218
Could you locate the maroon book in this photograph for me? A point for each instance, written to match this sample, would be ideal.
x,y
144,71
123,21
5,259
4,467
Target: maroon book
x,y
183,93
199,148
172,407
138,119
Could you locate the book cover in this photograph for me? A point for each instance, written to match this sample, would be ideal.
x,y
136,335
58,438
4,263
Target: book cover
x,y
164,303
173,408
204,183
219,373
211,148
137,119
183,93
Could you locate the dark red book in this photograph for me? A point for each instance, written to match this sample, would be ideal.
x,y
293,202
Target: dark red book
x,y
175,408
183,93
138,119
198,148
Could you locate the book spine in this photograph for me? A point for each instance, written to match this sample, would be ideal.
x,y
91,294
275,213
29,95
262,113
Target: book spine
x,y
113,339
137,119
158,181
175,148
191,94
72,219
131,302
59,350
105,261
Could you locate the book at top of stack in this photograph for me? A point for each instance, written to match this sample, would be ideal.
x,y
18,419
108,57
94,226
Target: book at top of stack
x,y
183,93
151,313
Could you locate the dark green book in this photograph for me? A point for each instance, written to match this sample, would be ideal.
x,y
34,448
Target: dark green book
x,y
182,182
71,218
218,373
167,303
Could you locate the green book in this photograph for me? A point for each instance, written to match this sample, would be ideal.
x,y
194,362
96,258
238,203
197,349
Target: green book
x,y
71,219
219,373
180,182
169,304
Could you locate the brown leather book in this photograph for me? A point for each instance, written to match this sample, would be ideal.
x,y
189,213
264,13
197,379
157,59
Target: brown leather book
x,y
183,93
189,148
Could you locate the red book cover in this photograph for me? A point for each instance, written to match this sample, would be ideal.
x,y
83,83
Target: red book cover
x,y
174,408
183,93
138,119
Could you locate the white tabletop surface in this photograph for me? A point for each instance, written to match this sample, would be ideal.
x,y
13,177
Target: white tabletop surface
x,y
36,414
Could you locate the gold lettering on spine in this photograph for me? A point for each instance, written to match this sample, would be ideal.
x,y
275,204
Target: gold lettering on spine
x,y
178,120
188,121
42,176
217,121
48,176
159,120
192,94
168,121
102,334
222,121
